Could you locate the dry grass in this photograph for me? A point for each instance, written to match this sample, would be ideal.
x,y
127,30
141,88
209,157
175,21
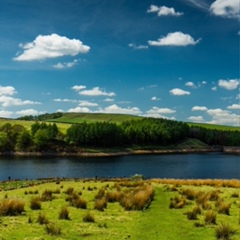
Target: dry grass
x,y
88,217
53,229
42,219
11,207
100,204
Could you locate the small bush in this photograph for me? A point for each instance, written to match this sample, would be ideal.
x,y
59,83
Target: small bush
x,y
210,217
35,203
100,204
42,219
52,229
11,207
88,217
224,232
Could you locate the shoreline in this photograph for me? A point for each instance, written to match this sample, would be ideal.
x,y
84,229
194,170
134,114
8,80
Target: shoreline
x,y
122,153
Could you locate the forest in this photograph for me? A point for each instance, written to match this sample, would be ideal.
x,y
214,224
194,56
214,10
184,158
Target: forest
x,y
143,132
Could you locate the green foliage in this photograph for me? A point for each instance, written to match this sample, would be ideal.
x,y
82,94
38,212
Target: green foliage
x,y
24,141
41,139
4,142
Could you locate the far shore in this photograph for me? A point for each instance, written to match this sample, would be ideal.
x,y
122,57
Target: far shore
x,y
230,150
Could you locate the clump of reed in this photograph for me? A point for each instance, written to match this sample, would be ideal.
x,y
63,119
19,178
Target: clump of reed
x,y
210,217
64,213
177,202
138,199
192,215
42,219
224,208
88,217
53,229
11,207
76,201
35,203
224,232
47,195
114,196
100,204
69,191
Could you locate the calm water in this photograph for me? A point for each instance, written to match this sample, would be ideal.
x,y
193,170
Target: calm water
x,y
209,165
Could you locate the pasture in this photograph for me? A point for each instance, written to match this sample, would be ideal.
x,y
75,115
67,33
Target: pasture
x,y
120,209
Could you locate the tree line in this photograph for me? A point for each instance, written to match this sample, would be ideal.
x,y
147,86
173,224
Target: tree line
x,y
144,132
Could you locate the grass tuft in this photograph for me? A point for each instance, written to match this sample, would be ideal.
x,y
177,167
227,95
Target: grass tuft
x,y
224,232
53,229
64,214
11,207
35,203
88,217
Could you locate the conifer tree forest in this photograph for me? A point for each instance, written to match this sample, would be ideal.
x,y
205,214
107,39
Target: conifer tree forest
x,y
144,132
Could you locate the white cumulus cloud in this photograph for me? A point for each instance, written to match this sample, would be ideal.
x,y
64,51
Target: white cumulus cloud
x,y
234,107
155,98
157,110
226,8
177,39
139,47
196,119
51,46
78,87
28,112
164,11
199,108
7,101
8,90
66,64
96,91
79,109
116,109
190,84
5,114
179,92
229,84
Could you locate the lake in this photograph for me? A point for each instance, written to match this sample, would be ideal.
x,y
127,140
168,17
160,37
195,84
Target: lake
x,y
191,166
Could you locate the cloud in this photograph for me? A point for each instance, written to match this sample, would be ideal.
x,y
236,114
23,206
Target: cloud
x,y
179,92
190,84
116,109
87,104
78,87
234,107
66,64
96,91
8,90
229,84
29,112
138,47
223,117
79,109
164,11
199,108
155,99
196,119
109,100
177,39
156,110
5,114
65,100
226,8
7,101
51,46
214,88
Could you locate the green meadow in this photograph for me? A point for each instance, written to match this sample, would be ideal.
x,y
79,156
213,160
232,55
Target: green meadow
x,y
120,209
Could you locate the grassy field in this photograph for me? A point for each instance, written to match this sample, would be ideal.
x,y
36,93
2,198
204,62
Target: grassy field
x,y
120,209
67,119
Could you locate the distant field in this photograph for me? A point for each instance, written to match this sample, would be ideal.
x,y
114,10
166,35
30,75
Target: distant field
x,y
215,126
67,119
94,117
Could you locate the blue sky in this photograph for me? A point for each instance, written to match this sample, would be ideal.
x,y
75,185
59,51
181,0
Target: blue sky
x,y
175,59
